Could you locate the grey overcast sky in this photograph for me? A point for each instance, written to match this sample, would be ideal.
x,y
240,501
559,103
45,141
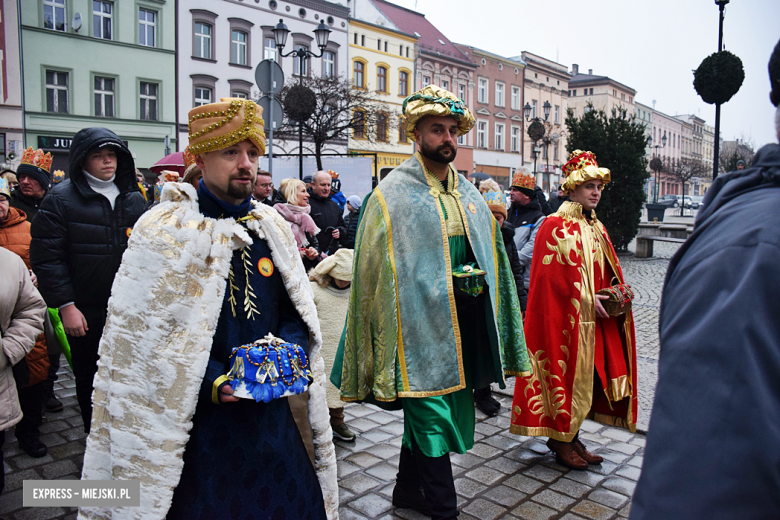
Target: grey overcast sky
x,y
651,46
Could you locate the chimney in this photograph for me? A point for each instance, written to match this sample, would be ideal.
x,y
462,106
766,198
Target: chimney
x,y
590,72
575,69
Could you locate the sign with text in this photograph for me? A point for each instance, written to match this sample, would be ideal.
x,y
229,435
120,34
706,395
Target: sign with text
x,y
50,142
81,493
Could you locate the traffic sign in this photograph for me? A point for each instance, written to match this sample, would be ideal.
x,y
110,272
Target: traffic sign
x,y
272,121
269,77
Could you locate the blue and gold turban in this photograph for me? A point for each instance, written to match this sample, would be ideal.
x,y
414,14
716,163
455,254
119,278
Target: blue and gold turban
x,y
435,101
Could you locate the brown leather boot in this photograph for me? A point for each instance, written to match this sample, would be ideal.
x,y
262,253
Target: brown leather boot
x,y
582,451
565,454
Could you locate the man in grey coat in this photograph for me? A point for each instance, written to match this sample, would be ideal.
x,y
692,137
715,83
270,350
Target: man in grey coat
x,y
713,449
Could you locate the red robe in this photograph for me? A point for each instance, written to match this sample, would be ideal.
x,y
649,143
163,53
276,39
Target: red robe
x,y
583,366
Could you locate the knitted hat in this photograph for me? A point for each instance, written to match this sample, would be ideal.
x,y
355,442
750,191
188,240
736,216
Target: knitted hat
x,y
524,182
5,188
354,201
218,125
582,167
36,164
338,266
435,101
496,202
774,75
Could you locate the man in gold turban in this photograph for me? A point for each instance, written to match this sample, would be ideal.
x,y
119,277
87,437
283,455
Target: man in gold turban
x,y
433,311
583,358
225,271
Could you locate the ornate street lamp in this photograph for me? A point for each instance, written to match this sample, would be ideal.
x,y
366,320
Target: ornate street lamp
x,y
536,129
656,164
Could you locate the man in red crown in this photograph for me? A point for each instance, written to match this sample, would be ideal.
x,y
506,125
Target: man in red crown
x,y
583,359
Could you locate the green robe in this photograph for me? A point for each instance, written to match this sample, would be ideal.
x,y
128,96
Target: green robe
x,y
403,337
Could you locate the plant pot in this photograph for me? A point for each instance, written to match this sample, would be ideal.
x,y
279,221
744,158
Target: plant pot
x,y
655,211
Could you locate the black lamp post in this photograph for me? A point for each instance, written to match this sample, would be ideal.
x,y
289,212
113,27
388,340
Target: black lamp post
x,y
536,129
715,167
657,166
322,33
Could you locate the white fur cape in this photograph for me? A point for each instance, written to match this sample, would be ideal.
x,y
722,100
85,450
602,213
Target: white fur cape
x,y
162,315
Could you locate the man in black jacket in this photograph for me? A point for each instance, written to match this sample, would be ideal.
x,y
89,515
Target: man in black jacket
x,y
526,217
78,238
264,188
34,182
325,212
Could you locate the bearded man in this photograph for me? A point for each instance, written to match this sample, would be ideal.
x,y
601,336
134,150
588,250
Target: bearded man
x,y
584,360
412,332
161,385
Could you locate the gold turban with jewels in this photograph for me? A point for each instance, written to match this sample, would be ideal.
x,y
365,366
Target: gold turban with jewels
x,y
435,101
582,167
218,125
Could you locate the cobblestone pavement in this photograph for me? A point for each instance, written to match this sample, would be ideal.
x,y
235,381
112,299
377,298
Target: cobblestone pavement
x,y
503,476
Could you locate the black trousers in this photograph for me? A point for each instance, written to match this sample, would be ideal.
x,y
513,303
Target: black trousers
x,y
31,403
434,475
84,356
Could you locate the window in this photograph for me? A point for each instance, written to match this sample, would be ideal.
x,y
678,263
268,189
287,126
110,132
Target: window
x,y
382,124
148,101
238,47
515,98
574,93
482,90
402,130
499,94
426,81
239,94
269,49
56,92
203,41
544,152
378,44
499,137
591,92
403,83
482,134
555,151
381,79
557,114
328,64
356,38
445,84
54,15
104,97
401,50
146,27
301,65
533,108
203,96
385,46
614,92
359,124
358,74
515,143
363,40
101,19
407,52
462,91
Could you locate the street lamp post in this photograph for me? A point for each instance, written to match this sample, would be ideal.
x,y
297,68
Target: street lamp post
x,y
715,167
658,165
536,129
322,33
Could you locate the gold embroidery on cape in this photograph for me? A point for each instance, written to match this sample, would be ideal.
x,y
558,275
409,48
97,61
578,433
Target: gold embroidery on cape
x,y
550,399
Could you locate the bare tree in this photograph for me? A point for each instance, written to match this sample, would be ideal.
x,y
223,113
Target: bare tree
x,y
340,108
684,170
731,152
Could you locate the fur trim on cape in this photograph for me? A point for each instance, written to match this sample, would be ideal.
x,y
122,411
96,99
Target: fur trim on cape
x,y
156,344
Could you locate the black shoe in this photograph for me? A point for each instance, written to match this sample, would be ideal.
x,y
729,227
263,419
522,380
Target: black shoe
x,y
486,403
33,446
407,496
52,404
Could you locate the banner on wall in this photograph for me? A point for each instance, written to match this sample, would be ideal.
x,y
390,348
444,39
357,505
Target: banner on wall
x,y
354,172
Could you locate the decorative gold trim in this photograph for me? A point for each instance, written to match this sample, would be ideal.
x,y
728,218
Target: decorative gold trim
x,y
541,432
518,374
391,254
434,393
215,388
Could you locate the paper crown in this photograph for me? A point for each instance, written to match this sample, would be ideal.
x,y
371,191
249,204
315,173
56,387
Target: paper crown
x,y
59,176
219,125
189,159
524,181
5,188
333,175
495,198
581,167
37,159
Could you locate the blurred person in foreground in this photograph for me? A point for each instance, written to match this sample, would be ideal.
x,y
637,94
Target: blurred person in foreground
x,y
712,447
225,272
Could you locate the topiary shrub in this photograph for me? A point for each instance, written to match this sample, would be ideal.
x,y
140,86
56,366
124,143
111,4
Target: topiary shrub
x,y
718,77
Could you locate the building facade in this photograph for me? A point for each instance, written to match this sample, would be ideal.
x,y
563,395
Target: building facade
x,y
671,154
221,42
103,63
382,61
11,115
644,116
603,92
439,62
546,81
498,109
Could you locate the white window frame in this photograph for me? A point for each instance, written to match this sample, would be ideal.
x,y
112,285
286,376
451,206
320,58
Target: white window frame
x,y
203,41
269,51
557,114
534,105
203,100
238,48
405,90
104,98
482,90
103,16
514,145
498,138
328,64
298,62
55,6
500,94
58,89
482,130
146,98
516,98
145,26
462,91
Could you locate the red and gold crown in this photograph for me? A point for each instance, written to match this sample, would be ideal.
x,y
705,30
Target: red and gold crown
x,y
189,159
524,181
581,167
37,159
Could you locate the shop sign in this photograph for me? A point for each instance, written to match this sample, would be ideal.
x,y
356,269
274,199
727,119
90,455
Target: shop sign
x,y
50,142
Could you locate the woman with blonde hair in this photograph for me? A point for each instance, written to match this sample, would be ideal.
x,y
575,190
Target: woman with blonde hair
x,y
296,212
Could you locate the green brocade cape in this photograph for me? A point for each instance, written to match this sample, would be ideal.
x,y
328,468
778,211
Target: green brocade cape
x,y
402,337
